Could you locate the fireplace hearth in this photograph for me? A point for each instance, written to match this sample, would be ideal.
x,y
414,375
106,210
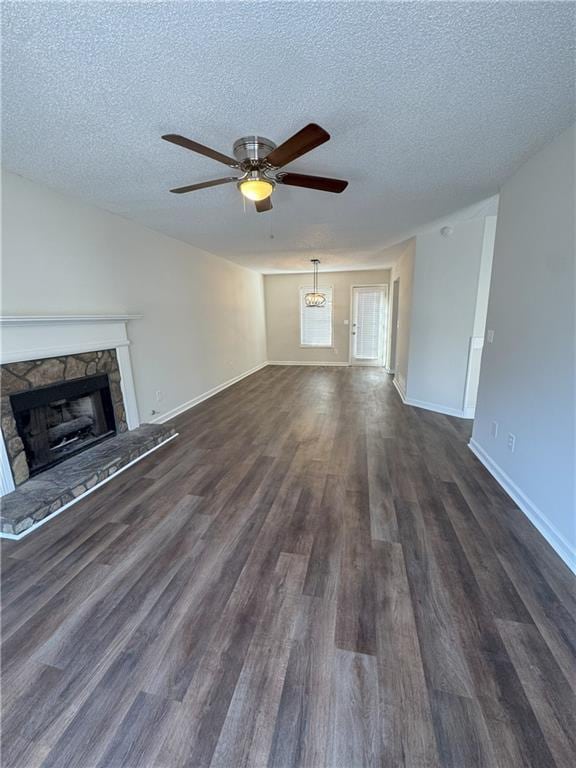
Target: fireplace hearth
x,y
57,421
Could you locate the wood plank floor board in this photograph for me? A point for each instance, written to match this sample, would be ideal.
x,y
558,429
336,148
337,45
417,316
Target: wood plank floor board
x,y
81,742
21,752
325,557
461,732
273,537
302,725
29,638
493,676
23,606
246,736
78,522
546,687
140,734
407,732
435,613
549,564
554,618
215,575
355,628
312,575
355,737
502,525
515,733
62,698
558,609
383,523
27,703
195,729
497,588
116,605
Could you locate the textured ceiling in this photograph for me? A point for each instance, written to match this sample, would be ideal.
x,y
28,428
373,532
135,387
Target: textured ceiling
x,y
431,106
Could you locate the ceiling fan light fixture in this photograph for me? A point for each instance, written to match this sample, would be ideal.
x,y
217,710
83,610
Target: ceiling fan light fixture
x,y
256,188
257,161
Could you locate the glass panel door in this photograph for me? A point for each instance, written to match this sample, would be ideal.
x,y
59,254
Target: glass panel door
x,y
368,325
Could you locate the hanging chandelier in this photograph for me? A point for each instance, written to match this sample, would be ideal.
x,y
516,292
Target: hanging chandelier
x,y
315,298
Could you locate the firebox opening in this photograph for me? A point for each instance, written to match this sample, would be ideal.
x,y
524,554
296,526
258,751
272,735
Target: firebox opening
x,y
57,421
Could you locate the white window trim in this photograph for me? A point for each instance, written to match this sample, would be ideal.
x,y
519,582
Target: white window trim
x,y
320,289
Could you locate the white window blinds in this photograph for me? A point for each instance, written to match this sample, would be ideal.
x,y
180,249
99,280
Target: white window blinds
x,y
316,322
368,319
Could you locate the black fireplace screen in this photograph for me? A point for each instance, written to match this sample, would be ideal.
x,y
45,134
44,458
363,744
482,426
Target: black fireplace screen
x,y
59,420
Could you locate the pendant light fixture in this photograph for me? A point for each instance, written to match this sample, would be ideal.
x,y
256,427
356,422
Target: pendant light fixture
x,y
315,299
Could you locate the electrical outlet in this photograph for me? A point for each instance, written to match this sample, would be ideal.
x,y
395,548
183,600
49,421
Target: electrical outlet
x,y
159,395
489,336
494,429
511,442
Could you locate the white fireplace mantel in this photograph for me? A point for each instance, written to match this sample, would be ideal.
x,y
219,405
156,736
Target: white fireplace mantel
x,y
63,319
34,337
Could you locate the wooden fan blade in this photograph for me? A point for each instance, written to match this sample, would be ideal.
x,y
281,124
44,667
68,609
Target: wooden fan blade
x,y
204,184
305,140
312,182
182,141
263,205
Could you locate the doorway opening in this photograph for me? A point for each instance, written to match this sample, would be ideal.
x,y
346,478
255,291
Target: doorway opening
x,y
368,330
394,325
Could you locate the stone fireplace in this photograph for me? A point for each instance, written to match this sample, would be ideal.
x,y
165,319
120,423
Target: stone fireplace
x,y
58,406
69,414
38,351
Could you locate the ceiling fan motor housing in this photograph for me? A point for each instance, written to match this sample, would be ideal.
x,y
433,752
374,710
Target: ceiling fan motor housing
x,y
252,148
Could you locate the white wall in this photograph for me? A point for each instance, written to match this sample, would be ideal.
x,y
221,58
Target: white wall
x,y
203,319
444,295
283,314
527,380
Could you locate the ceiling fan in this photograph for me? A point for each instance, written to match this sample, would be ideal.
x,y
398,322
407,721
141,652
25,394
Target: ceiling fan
x,y
258,160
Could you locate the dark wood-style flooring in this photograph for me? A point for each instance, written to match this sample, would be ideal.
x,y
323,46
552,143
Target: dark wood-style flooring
x,y
312,574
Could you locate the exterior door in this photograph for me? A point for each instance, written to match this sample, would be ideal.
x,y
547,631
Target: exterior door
x,y
368,330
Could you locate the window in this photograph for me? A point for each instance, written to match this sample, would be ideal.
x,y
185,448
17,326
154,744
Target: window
x,y
316,322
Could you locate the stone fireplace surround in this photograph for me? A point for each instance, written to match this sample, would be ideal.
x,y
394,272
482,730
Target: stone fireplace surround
x,y
38,350
22,376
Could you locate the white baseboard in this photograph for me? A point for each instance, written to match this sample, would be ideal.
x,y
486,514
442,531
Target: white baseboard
x,y
437,408
28,531
296,362
557,541
161,418
399,389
